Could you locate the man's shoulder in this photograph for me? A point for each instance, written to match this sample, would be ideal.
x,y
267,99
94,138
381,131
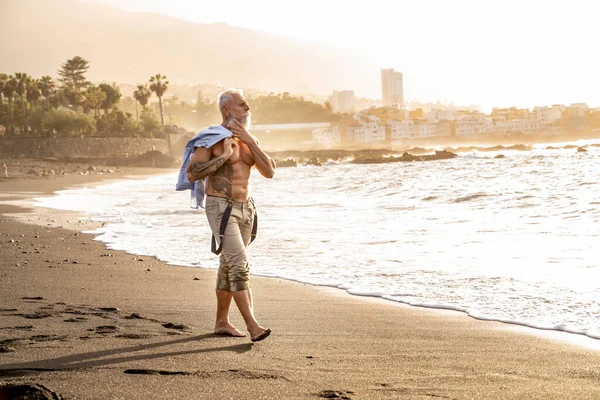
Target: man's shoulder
x,y
211,136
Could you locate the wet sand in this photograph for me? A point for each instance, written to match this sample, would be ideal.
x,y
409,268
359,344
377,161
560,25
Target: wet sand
x,y
87,322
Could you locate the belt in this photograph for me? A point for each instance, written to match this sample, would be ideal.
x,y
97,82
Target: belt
x,y
225,220
232,201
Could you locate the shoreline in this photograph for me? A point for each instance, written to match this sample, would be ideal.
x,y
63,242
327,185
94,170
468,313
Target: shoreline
x,y
585,339
576,338
429,343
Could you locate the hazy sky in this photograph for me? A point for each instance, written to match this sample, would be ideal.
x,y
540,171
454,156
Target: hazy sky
x,y
509,52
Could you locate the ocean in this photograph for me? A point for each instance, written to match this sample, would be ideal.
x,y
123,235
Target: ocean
x,y
508,239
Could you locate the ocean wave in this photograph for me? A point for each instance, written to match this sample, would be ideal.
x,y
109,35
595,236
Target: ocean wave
x,y
524,205
470,197
381,242
469,149
323,205
169,211
399,208
393,193
475,314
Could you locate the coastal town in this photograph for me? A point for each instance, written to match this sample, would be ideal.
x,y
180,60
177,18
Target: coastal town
x,y
73,106
397,122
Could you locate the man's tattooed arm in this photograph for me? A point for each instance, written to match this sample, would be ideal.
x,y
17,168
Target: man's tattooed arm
x,y
199,170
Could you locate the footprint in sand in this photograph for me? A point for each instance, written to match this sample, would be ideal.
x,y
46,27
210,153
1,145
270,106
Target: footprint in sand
x,y
105,329
181,327
154,372
335,394
76,319
6,349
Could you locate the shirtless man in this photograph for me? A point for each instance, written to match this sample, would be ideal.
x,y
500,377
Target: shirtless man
x,y
228,164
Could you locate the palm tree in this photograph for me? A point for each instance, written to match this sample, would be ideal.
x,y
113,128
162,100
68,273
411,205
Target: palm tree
x,y
22,84
8,90
93,99
159,85
33,92
141,95
47,87
3,80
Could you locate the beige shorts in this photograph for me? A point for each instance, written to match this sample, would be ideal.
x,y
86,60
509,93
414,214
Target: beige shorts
x,y
233,272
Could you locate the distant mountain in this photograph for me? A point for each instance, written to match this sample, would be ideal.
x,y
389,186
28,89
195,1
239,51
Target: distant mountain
x,y
36,36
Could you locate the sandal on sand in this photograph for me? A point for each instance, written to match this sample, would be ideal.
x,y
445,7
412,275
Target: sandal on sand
x,y
262,336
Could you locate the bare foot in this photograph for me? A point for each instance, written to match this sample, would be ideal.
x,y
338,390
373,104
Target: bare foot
x,y
259,333
229,330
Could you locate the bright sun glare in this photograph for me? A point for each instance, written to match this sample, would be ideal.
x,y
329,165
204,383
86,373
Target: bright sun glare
x,y
521,53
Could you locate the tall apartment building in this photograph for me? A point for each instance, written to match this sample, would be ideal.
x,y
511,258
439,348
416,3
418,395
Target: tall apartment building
x,y
392,88
342,101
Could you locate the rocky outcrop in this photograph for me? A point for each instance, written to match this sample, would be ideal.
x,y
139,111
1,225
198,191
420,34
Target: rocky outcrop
x,y
288,162
314,161
439,155
581,150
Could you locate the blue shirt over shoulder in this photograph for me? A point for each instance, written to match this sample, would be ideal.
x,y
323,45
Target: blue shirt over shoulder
x,y
206,138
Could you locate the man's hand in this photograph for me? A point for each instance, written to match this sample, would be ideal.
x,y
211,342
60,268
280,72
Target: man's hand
x,y
239,132
263,163
228,145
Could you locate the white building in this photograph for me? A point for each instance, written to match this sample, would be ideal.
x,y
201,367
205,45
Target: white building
x,y
578,109
401,130
548,115
436,114
342,101
443,129
392,87
368,133
549,130
472,126
516,127
424,129
327,137
415,129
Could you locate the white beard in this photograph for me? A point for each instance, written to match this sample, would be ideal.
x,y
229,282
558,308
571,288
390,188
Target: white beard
x,y
246,121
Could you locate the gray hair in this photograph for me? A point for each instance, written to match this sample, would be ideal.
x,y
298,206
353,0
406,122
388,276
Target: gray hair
x,y
225,96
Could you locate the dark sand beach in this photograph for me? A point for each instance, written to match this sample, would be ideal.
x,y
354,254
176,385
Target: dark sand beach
x,y
91,323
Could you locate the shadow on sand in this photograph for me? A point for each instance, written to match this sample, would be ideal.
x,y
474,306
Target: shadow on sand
x,y
98,358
